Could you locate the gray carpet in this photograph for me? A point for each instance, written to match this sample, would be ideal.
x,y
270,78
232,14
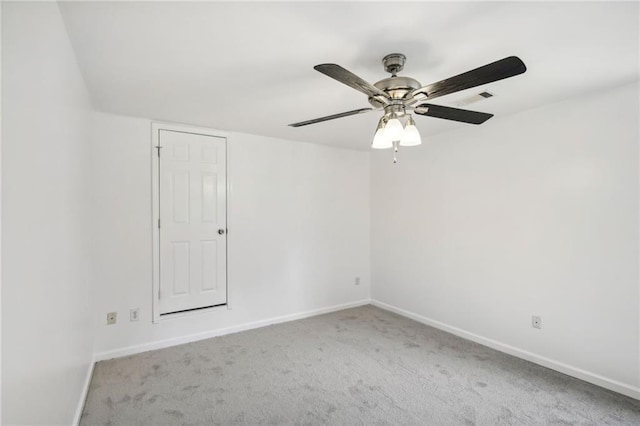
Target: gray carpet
x,y
360,366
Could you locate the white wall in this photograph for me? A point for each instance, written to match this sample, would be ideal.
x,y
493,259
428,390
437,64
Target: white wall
x,y
530,214
0,220
46,332
298,232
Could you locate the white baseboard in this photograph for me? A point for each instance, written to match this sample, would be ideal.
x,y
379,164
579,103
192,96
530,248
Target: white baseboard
x,y
130,350
83,395
596,379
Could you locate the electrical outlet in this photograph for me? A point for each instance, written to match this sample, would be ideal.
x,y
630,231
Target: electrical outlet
x,y
357,281
134,314
536,322
111,318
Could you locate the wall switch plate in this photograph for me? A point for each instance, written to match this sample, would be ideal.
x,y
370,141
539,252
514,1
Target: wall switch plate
x,y
134,314
357,281
536,322
111,318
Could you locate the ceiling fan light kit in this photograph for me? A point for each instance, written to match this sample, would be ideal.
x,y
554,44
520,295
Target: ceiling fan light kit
x,y
380,141
397,97
393,129
411,135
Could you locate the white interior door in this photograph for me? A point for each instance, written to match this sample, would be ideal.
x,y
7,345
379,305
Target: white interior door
x,y
193,221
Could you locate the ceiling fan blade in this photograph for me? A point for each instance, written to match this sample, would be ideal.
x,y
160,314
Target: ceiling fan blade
x,y
331,117
350,79
499,70
455,114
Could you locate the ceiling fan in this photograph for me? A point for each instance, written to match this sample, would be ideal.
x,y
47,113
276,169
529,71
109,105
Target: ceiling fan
x,y
398,96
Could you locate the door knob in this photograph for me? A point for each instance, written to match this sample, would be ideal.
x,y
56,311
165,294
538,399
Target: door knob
x,y
221,231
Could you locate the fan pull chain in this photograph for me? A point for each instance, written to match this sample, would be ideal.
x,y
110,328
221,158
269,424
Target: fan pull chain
x,y
395,152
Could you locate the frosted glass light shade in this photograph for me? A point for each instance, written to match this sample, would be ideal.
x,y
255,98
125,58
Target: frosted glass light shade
x,y
393,129
410,136
380,141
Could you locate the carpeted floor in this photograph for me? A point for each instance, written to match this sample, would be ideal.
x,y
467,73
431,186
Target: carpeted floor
x,y
360,366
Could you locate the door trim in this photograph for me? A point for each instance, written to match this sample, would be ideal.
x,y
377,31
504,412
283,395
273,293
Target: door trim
x,y
156,126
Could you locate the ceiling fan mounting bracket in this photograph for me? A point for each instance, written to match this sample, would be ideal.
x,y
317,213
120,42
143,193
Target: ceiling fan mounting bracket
x,y
394,63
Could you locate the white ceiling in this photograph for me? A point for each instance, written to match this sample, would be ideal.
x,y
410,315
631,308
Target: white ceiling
x,y
248,67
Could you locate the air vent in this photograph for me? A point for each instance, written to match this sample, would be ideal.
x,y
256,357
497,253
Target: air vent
x,y
474,98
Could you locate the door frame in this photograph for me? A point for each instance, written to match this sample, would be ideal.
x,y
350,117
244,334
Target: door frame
x,y
156,126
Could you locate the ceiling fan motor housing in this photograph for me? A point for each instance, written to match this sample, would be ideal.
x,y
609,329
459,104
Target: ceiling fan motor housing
x,y
396,87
